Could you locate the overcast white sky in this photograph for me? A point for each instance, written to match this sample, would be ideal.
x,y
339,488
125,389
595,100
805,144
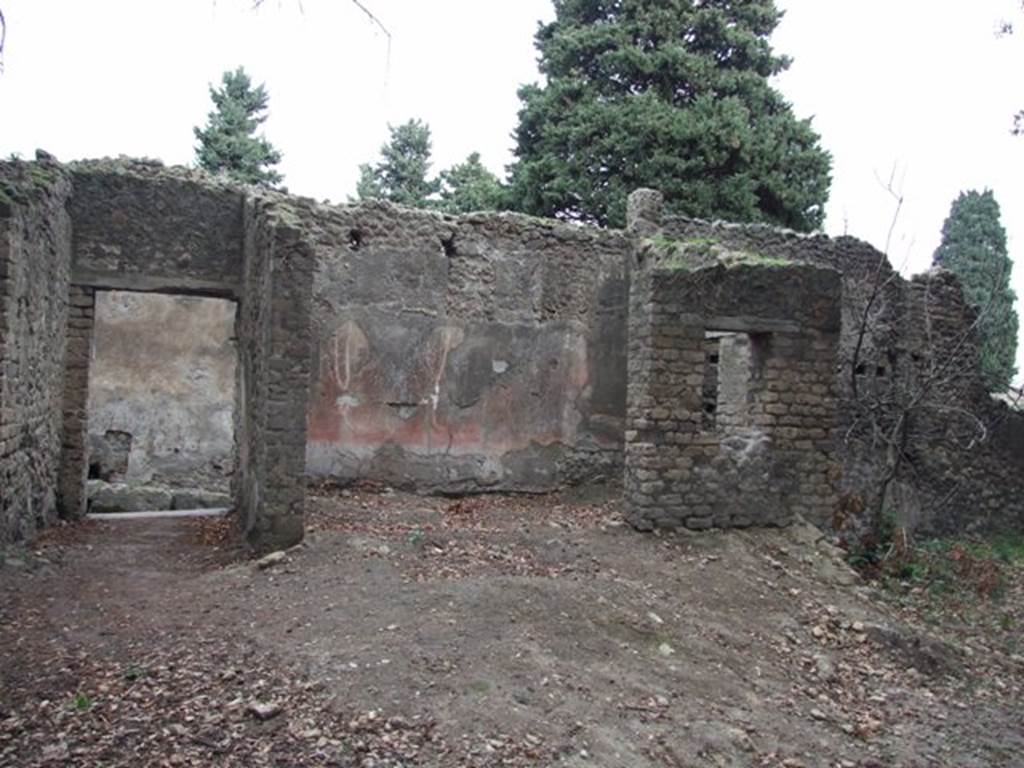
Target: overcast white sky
x,y
921,86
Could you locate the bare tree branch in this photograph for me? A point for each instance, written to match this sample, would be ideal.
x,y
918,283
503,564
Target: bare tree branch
x,y
927,404
3,38
373,18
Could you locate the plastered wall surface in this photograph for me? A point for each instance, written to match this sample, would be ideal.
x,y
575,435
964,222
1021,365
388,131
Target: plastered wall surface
x,y
473,354
162,389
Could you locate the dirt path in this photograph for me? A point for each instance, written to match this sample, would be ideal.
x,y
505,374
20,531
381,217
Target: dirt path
x,y
485,632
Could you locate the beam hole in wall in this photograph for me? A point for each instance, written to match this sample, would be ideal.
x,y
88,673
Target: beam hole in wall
x,y
161,402
355,239
108,455
448,247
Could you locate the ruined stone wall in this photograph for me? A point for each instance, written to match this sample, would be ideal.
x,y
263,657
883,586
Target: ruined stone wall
x,y
965,466
906,347
162,390
862,266
253,333
35,261
754,442
477,353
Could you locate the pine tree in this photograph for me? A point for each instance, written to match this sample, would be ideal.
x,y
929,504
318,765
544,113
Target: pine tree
x,y
671,94
973,247
470,186
229,144
401,174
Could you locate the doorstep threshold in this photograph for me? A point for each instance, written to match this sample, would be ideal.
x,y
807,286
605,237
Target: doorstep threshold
x,y
159,513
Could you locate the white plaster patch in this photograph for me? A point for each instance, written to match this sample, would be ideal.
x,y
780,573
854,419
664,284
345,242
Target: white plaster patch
x,y
347,401
499,366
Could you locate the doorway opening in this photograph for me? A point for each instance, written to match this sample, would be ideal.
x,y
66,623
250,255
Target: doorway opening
x,y
161,403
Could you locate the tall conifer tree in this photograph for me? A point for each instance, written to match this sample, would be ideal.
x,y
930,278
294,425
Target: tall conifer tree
x,y
672,94
974,248
229,144
470,186
402,174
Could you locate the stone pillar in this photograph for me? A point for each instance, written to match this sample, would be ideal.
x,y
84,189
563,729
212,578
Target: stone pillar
x,y
74,463
273,378
643,212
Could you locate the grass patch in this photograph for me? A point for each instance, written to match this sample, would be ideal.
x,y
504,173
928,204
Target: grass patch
x,y
688,254
955,570
749,258
680,255
676,263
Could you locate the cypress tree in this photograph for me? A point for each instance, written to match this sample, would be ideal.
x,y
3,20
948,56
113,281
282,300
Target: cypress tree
x,y
973,247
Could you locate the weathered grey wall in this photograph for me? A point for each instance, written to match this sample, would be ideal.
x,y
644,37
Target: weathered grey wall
x,y
162,381
140,226
965,468
476,353
485,352
35,254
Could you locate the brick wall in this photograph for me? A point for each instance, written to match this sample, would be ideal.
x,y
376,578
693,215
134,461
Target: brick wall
x,y
754,443
74,447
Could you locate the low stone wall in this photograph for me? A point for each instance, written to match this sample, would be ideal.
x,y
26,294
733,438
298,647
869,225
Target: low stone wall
x,y
35,262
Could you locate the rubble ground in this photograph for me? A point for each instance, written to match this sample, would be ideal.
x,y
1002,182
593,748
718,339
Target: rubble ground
x,y
489,631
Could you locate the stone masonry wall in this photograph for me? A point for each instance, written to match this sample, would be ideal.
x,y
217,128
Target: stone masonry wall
x,y
965,466
484,352
74,457
764,449
273,376
35,260
962,472
477,353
